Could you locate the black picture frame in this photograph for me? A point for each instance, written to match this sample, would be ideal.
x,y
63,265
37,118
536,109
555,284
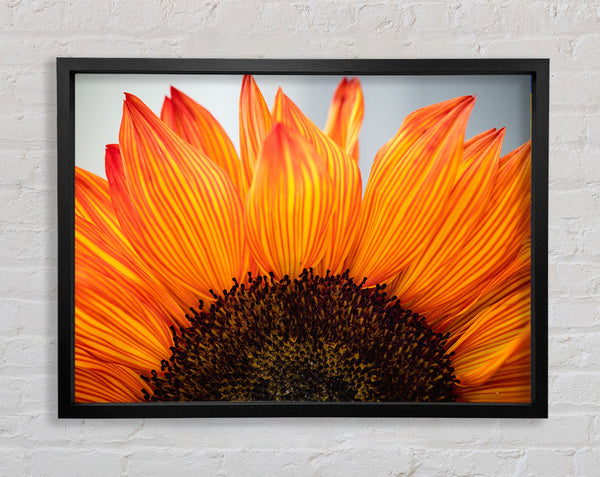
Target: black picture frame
x,y
68,68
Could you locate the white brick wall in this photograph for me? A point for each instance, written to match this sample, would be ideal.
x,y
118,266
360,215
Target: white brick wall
x,y
33,442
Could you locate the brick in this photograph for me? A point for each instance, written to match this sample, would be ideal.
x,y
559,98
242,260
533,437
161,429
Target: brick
x,y
566,128
31,87
587,461
585,48
22,125
574,87
564,242
182,16
68,462
557,48
432,16
577,351
559,431
26,244
17,50
149,16
547,462
22,207
437,432
469,47
267,17
127,45
15,461
573,204
44,15
591,242
166,461
299,462
90,15
576,388
6,15
305,433
574,312
578,17
256,463
102,431
333,16
380,17
32,169
595,431
440,462
574,279
32,283
26,429
474,15
364,461
593,129
20,315
21,395
28,354
576,166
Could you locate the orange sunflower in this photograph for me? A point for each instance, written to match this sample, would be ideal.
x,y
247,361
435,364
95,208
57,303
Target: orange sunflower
x,y
202,274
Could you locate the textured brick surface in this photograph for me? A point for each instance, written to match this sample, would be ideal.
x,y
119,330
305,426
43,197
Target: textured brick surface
x,y
33,442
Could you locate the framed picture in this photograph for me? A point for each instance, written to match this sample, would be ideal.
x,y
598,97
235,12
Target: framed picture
x,y
302,237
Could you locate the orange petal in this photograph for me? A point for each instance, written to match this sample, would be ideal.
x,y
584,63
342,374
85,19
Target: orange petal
x,y
199,128
289,205
479,236
179,210
469,143
92,203
511,383
170,118
503,234
345,177
509,281
98,233
98,381
121,316
488,360
498,333
474,148
411,180
255,123
346,115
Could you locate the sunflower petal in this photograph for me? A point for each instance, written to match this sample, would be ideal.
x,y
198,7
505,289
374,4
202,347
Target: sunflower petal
x,y
468,249
177,208
509,281
503,233
477,358
411,180
511,383
498,333
98,381
255,123
289,205
98,233
346,115
92,203
199,128
345,177
121,316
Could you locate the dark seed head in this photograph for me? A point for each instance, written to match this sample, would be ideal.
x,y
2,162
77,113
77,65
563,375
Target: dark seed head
x,y
308,339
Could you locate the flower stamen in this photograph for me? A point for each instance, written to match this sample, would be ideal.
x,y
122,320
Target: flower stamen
x,y
313,338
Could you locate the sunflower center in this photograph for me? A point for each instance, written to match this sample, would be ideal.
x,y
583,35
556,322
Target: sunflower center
x,y
307,339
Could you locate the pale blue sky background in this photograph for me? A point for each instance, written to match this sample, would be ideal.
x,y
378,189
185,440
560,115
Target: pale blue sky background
x,y
501,101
